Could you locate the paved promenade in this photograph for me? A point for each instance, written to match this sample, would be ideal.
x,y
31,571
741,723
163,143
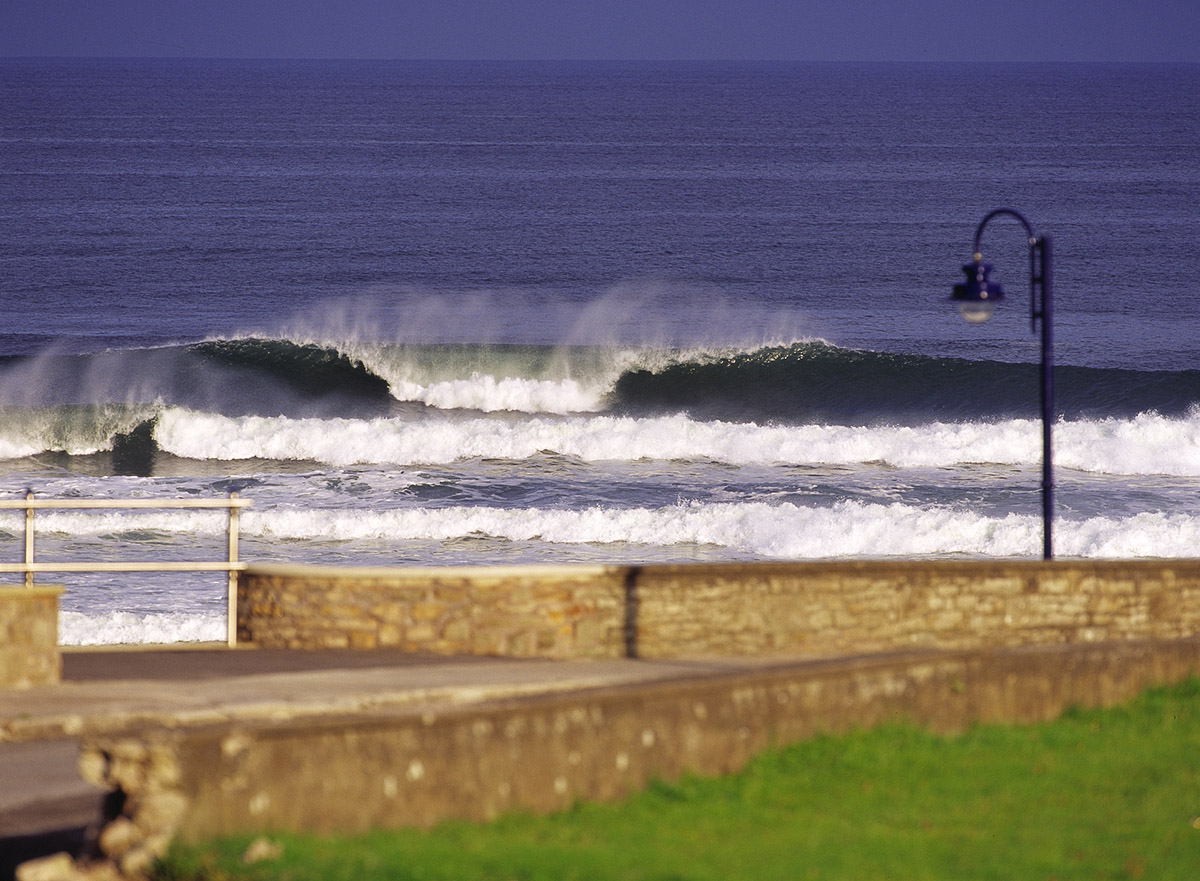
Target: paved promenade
x,y
45,806
622,709
105,690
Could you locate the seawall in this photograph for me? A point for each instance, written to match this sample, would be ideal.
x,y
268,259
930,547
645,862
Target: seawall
x,y
793,649
423,764
756,609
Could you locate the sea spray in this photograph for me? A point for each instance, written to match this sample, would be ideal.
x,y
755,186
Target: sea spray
x,y
77,430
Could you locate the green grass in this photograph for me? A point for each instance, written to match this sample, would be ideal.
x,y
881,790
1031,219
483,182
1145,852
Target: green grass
x,y
1097,794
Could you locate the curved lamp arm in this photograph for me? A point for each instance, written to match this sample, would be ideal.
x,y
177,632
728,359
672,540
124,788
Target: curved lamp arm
x,y
1040,308
1039,263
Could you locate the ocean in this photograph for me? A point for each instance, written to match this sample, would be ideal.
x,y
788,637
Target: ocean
x,y
431,314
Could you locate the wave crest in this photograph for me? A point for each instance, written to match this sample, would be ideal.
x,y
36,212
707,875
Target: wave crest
x,y
796,383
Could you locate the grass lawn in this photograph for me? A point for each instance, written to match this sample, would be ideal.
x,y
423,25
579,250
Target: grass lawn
x,y
1097,795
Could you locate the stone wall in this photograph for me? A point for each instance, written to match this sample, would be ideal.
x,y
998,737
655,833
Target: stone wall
x,y
557,612
29,636
720,609
835,608
542,753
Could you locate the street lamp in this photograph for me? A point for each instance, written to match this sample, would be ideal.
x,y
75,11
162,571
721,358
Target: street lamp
x,y
977,298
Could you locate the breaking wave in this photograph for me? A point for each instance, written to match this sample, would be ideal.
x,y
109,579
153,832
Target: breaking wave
x,y
747,529
804,403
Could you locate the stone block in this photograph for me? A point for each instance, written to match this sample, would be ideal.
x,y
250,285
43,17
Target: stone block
x,y
29,653
56,867
427,611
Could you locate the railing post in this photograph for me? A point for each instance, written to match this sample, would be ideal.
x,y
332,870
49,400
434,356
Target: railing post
x,y
28,538
231,624
231,566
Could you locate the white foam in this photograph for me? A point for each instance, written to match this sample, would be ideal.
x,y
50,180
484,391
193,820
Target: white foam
x,y
786,531
1146,444
489,394
19,448
128,628
783,531
133,525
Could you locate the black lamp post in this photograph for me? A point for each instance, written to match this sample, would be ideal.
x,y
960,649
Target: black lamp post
x,y
977,298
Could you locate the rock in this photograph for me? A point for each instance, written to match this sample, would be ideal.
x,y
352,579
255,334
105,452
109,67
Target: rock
x,y
138,862
260,850
93,766
119,836
57,867
160,811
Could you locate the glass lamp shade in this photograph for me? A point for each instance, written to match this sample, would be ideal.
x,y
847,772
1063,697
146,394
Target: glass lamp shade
x,y
977,296
977,312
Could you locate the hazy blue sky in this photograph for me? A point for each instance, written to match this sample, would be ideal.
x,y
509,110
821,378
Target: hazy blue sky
x,y
935,30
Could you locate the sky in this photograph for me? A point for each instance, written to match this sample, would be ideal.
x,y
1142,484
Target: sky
x,y
786,30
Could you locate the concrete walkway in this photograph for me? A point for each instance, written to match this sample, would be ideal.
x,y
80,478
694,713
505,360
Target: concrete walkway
x,y
45,806
106,690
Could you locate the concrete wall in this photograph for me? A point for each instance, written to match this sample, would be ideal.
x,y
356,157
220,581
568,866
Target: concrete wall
x,y
29,636
542,753
720,609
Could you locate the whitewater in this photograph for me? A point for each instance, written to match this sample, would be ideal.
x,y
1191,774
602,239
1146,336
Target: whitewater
x,y
1148,444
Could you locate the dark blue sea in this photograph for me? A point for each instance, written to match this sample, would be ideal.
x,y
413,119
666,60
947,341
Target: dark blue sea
x,y
490,313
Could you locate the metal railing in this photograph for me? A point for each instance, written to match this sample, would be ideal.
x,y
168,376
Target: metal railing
x,y
231,565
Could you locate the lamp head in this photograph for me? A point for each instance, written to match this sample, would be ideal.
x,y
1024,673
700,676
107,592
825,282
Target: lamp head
x,y
977,296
